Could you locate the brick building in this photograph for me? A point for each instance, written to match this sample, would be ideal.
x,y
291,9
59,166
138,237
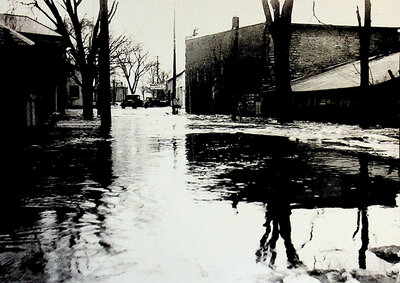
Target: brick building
x,y
213,75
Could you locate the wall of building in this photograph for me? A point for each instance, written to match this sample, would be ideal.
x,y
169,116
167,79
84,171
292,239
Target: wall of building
x,y
120,93
74,93
316,48
180,89
34,76
214,78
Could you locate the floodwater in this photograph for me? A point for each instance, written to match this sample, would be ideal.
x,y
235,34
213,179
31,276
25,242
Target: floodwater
x,y
191,198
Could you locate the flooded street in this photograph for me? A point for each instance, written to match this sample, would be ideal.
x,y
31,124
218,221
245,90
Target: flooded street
x,y
190,198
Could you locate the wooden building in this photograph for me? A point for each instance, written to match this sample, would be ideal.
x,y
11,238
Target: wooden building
x,y
33,71
180,89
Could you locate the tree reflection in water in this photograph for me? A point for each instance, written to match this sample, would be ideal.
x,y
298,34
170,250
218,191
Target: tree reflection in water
x,y
277,222
62,211
363,188
279,173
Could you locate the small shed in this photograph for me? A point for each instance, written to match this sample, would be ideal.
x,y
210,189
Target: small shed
x,y
180,88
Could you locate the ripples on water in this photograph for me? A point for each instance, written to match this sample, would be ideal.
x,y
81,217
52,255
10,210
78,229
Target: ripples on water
x,y
168,198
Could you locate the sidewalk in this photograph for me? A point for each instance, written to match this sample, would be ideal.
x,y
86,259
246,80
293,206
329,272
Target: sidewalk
x,y
73,119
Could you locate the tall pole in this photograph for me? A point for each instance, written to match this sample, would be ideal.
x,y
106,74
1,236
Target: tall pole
x,y
157,71
174,72
104,69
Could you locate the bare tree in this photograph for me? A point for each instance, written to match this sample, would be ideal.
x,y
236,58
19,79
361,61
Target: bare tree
x,y
82,46
116,43
279,23
157,76
364,98
132,60
104,69
365,38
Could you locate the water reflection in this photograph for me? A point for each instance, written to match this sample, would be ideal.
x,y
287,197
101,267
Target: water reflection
x,y
255,168
140,207
287,175
277,216
362,217
62,211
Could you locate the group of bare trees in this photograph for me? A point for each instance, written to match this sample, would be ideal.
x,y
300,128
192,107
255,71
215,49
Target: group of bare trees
x,y
130,58
81,36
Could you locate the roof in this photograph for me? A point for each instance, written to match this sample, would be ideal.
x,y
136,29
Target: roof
x,y
177,75
14,36
157,87
25,24
295,26
348,75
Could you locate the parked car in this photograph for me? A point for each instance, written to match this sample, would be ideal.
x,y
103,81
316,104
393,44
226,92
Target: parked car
x,y
133,101
154,102
149,102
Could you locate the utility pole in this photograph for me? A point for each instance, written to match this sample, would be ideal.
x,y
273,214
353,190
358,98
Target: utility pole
x,y
104,69
157,72
174,109
235,79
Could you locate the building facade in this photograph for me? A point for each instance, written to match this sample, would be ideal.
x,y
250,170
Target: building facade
x,y
33,70
239,64
119,91
180,89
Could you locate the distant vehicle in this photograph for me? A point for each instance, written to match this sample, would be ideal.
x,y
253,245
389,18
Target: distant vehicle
x,y
154,102
149,102
133,101
163,103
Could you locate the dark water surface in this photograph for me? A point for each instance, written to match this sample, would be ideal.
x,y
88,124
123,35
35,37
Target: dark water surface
x,y
194,198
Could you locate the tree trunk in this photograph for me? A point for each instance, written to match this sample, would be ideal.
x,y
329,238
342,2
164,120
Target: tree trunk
x,y
104,69
174,110
281,37
234,91
365,38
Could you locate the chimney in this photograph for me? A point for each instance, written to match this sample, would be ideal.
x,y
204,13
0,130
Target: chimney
x,y
235,23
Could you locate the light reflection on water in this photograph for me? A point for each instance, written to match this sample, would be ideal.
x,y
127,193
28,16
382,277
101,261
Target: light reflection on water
x,y
169,198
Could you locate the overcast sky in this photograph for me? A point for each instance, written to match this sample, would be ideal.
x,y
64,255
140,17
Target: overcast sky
x,y
151,21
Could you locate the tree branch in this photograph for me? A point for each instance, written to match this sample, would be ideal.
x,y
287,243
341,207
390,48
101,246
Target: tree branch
x,y
37,6
287,11
276,7
267,12
113,10
314,15
358,17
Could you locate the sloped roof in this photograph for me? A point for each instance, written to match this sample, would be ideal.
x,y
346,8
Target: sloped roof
x,y
25,24
17,38
295,26
348,75
177,75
